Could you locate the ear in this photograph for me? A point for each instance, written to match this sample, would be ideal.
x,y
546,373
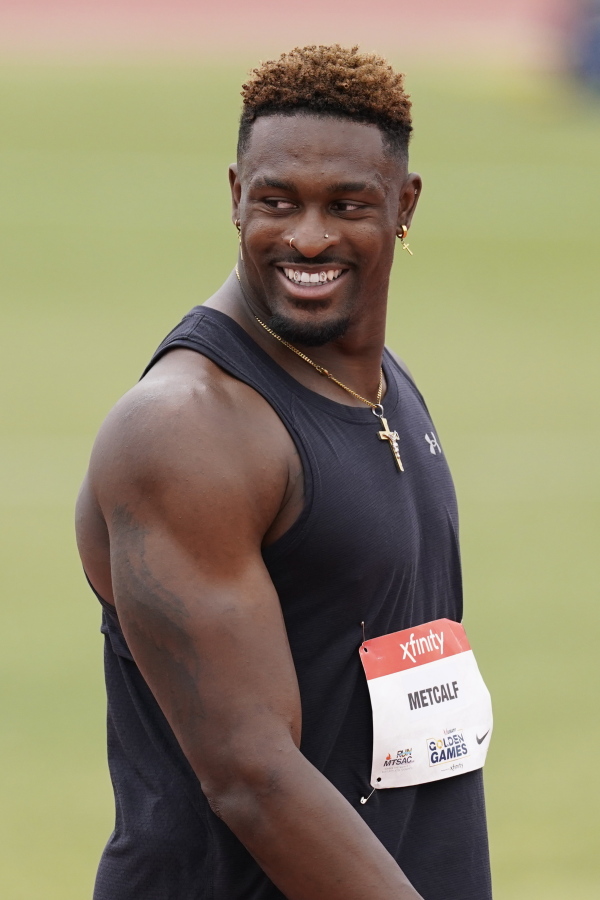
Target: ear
x,y
409,197
236,191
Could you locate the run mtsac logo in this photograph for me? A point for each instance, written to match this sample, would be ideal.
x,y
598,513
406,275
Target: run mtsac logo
x,y
402,758
451,746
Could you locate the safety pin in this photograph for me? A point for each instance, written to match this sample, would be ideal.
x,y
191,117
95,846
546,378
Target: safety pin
x,y
363,800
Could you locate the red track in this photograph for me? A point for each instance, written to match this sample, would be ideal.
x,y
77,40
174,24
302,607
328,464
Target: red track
x,y
511,29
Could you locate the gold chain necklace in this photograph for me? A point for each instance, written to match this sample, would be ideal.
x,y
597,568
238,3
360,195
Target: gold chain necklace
x,y
376,408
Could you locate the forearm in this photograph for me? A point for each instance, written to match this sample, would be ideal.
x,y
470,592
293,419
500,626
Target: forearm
x,y
307,838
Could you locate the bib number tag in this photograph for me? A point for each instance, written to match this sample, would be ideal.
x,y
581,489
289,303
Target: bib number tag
x,y
432,713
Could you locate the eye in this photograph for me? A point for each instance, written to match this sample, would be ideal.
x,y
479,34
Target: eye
x,y
347,206
279,203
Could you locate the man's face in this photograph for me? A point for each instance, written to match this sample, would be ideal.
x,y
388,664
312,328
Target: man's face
x,y
304,177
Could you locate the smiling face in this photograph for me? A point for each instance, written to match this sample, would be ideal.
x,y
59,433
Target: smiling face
x,y
333,188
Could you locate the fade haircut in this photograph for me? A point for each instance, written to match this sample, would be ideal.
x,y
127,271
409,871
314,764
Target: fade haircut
x,y
330,81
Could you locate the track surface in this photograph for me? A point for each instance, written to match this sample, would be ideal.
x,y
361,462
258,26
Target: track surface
x,y
510,30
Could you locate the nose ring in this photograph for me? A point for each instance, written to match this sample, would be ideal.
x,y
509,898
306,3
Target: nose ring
x,y
291,241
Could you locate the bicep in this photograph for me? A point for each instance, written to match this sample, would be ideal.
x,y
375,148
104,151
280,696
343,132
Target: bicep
x,y
209,640
186,516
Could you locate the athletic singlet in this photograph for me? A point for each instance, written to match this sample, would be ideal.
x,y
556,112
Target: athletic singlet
x,y
372,545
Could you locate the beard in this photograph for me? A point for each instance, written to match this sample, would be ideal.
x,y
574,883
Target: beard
x,y
307,333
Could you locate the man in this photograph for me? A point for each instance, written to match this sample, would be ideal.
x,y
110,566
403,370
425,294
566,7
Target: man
x,y
248,522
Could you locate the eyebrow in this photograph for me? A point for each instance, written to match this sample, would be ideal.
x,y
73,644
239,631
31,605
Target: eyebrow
x,y
338,187
353,187
264,181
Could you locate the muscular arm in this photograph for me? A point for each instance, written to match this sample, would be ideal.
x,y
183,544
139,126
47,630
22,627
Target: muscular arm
x,y
189,481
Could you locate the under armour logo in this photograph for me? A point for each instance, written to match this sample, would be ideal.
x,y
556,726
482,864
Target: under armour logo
x,y
434,447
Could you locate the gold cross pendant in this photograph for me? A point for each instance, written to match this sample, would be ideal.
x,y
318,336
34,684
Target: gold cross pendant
x,y
393,438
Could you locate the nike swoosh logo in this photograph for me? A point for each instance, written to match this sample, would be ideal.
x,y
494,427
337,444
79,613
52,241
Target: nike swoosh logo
x,y
480,740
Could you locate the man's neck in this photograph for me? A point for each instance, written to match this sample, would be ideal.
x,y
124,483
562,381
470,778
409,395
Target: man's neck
x,y
354,359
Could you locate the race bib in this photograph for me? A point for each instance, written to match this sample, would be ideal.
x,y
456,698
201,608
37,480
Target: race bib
x,y
432,713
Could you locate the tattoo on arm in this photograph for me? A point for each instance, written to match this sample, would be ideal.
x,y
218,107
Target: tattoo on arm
x,y
156,624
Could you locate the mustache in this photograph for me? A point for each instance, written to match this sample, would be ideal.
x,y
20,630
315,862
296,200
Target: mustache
x,y
321,262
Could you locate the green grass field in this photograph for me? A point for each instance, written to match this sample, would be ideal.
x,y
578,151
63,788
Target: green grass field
x,y
114,220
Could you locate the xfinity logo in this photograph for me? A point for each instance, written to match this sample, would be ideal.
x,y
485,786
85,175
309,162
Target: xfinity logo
x,y
417,646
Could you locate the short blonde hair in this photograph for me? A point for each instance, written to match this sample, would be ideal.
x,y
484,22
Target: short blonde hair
x,y
330,81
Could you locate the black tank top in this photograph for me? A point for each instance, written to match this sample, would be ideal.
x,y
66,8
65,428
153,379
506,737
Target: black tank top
x,y
371,545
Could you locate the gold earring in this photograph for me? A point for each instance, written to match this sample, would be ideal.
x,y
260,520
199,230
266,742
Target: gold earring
x,y
239,231
402,237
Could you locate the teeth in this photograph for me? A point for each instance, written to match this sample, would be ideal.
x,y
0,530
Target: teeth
x,y
312,277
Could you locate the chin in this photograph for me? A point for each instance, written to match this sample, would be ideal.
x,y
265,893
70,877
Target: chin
x,y
310,334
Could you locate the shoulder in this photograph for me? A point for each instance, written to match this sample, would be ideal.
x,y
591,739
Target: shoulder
x,y
187,433
401,364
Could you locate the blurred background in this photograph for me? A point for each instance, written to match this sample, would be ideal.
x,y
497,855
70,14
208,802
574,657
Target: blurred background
x,y
117,122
